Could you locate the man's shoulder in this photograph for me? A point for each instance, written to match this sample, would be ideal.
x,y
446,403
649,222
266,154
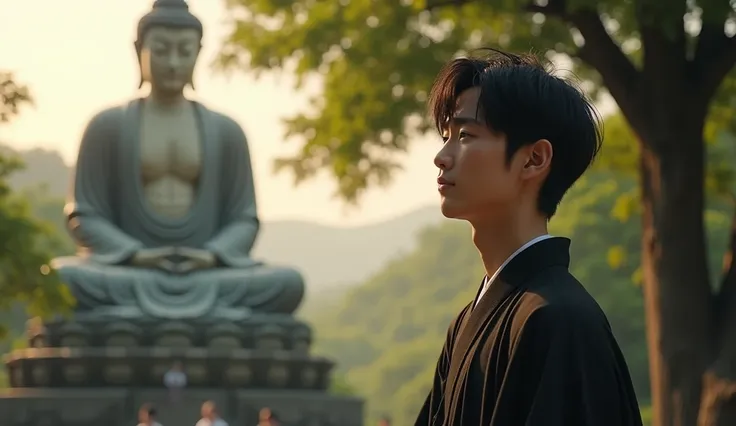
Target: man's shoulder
x,y
560,300
560,292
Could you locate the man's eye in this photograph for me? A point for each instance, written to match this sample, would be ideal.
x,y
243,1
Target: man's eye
x,y
463,135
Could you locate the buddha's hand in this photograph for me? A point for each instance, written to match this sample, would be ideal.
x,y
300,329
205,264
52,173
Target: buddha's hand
x,y
155,258
195,259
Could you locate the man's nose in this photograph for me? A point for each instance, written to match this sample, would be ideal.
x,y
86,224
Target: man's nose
x,y
443,159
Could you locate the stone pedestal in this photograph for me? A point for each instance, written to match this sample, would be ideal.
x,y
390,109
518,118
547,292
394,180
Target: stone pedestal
x,y
92,371
118,407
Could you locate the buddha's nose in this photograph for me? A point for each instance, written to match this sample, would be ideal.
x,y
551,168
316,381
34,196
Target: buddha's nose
x,y
174,61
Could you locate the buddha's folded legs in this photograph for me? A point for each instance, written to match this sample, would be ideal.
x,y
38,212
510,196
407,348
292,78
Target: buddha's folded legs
x,y
129,290
267,289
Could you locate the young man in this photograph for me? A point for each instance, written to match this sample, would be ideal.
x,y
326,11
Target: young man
x,y
533,348
147,416
266,417
210,415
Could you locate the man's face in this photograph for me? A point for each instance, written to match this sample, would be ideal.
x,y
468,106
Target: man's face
x,y
475,179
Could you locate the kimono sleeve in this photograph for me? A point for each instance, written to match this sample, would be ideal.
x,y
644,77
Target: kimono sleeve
x,y
432,411
565,369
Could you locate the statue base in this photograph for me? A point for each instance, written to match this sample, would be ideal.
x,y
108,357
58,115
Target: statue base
x,y
259,331
142,367
119,406
92,370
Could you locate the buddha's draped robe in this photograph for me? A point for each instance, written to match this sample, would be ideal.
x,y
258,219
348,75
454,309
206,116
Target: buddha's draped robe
x,y
110,220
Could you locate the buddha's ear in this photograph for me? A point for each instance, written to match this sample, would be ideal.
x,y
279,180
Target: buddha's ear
x,y
191,77
137,45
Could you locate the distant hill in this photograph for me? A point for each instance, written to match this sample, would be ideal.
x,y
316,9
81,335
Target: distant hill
x,y
43,167
331,258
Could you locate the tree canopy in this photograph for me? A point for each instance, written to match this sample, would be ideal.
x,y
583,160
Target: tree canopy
x,y
25,277
377,60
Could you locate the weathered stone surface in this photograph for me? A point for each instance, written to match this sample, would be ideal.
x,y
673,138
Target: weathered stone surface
x,y
261,332
146,366
118,407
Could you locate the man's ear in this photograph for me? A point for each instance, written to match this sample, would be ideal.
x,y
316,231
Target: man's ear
x,y
539,158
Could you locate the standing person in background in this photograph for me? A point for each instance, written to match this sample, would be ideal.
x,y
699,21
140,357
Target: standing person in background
x,y
210,416
175,380
268,418
147,416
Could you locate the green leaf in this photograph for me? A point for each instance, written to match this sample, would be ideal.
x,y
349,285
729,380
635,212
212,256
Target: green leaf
x,y
616,257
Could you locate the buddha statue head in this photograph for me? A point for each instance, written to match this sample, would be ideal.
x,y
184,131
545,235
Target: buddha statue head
x,y
168,43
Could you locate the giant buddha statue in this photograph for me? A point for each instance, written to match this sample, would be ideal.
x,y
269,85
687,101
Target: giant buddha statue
x,y
163,207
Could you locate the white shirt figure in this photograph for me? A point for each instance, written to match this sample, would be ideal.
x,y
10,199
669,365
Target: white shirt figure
x,y
175,380
210,416
207,422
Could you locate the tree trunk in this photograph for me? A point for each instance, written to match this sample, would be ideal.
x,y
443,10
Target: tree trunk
x,y
692,353
718,406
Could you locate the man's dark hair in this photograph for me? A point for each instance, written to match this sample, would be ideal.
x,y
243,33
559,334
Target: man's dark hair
x,y
149,409
268,414
521,99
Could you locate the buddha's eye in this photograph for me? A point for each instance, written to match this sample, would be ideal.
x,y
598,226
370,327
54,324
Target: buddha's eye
x,y
160,51
159,48
186,51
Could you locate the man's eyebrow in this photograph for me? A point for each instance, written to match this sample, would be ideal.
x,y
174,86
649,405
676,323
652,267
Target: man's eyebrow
x,y
459,121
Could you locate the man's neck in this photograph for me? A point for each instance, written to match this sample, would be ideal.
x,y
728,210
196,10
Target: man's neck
x,y
496,242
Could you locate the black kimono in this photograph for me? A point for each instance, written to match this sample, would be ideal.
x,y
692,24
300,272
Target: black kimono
x,y
536,351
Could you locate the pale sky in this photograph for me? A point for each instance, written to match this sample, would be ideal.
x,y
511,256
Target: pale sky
x,y
77,57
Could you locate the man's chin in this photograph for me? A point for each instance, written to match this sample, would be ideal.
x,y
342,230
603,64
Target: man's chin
x,y
450,210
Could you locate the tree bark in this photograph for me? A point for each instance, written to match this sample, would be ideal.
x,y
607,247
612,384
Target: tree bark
x,y
691,331
718,405
676,290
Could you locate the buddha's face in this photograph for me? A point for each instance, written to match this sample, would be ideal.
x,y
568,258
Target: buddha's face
x,y
168,57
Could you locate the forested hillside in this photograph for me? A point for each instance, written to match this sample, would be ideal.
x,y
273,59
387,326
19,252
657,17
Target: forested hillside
x,y
387,333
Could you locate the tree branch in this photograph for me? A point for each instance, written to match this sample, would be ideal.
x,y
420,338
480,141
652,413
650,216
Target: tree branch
x,y
715,56
601,53
600,50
